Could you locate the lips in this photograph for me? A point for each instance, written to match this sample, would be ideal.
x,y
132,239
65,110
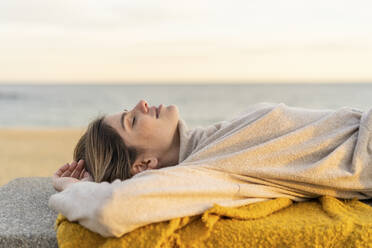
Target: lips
x,y
158,111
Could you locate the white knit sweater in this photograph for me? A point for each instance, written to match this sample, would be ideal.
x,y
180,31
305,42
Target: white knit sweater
x,y
269,151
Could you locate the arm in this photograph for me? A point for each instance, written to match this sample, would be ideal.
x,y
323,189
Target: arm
x,y
113,209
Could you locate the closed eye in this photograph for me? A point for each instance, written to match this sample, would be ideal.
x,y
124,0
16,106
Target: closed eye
x,y
134,118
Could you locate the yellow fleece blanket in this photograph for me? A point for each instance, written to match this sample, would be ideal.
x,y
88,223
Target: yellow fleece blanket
x,y
322,222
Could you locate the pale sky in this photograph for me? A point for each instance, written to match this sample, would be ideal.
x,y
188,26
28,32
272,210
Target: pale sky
x,y
120,41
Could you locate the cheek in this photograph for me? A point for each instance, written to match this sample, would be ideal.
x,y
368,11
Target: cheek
x,y
145,128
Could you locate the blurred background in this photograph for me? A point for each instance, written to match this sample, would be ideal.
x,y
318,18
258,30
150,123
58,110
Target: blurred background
x,y
62,63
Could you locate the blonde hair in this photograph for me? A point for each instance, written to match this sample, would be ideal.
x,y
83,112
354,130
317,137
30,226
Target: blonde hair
x,y
105,154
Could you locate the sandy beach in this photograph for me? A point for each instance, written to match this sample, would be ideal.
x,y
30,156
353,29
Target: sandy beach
x,y
35,152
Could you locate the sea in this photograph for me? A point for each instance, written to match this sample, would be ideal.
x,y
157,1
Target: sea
x,y
59,106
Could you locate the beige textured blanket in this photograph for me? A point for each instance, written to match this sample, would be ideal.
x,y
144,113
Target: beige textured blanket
x,y
269,151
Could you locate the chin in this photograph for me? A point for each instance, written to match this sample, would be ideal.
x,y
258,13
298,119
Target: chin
x,y
172,112
175,110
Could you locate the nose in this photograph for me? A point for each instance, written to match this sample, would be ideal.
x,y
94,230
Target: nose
x,y
143,106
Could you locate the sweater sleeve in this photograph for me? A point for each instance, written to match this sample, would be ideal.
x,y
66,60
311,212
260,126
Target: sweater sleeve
x,y
113,209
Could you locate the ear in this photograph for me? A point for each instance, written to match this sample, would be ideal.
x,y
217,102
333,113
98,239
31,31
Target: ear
x,y
145,164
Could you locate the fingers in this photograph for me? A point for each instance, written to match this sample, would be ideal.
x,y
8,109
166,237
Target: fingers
x,y
75,169
78,169
71,168
82,173
61,170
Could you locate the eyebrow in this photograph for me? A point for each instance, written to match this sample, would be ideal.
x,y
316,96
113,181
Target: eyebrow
x,y
122,120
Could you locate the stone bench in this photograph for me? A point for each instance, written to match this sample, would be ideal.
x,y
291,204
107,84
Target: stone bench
x,y
25,218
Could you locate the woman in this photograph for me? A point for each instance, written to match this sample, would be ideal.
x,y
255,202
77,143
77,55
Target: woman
x,y
269,151
121,145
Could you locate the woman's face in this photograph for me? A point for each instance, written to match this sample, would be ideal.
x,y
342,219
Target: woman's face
x,y
142,129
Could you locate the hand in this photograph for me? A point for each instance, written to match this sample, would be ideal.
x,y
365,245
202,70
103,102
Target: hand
x,y
69,174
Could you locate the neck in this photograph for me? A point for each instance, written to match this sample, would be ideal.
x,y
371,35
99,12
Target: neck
x,y
172,156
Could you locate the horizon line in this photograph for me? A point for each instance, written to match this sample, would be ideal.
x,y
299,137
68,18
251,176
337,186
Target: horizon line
x,y
181,82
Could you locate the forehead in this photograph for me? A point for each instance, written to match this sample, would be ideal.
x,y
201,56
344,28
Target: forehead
x,y
114,120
